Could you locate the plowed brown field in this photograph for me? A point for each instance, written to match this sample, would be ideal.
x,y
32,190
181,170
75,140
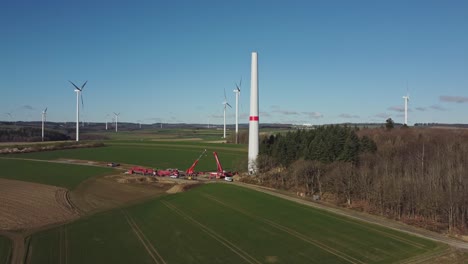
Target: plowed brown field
x,y
25,205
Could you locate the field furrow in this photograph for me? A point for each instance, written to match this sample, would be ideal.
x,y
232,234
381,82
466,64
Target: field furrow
x,y
247,257
222,223
144,241
292,232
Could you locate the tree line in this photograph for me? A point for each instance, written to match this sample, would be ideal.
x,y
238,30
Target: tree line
x,y
30,134
419,176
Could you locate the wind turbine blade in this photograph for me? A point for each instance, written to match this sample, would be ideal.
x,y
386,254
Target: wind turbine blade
x,y
84,84
82,103
74,85
224,94
45,111
228,104
240,83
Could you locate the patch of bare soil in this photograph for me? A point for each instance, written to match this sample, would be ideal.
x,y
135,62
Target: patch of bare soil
x,y
176,189
176,139
182,187
25,205
216,141
133,179
102,193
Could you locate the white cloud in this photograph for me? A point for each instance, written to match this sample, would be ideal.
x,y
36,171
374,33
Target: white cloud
x,y
348,116
438,107
382,115
314,115
396,108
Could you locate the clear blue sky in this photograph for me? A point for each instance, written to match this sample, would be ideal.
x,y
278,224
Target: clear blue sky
x,y
320,62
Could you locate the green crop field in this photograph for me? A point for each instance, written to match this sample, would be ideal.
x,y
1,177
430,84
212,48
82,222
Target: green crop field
x,y
5,249
222,223
151,134
57,174
152,155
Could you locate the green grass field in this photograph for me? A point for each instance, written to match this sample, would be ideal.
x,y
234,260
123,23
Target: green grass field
x,y
5,249
151,134
222,223
152,155
57,174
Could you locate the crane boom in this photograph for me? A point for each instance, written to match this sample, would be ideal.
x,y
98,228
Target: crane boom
x,y
218,164
191,170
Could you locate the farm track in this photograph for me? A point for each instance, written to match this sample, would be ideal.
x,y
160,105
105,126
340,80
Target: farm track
x,y
291,232
158,259
228,244
62,161
364,217
427,257
63,245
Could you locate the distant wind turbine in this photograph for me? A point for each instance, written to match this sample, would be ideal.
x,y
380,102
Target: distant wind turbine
x,y
237,92
116,115
406,98
225,103
78,95
11,118
106,120
44,113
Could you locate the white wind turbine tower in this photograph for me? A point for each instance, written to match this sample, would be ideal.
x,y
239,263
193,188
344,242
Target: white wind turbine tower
x,y
237,92
78,93
44,113
406,98
106,120
116,115
225,103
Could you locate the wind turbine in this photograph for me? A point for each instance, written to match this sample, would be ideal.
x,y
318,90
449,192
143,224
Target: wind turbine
x,y
78,93
44,112
225,103
237,92
11,118
116,120
106,120
406,98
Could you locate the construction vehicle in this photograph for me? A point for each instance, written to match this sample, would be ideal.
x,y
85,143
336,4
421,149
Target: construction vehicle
x,y
141,170
168,172
220,173
190,172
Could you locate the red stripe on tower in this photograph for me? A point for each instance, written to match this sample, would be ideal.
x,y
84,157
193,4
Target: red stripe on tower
x,y
253,118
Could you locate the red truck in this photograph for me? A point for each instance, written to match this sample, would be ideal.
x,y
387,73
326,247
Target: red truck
x,y
141,170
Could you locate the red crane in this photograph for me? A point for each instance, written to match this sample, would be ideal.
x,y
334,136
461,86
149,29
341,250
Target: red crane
x,y
190,172
220,173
